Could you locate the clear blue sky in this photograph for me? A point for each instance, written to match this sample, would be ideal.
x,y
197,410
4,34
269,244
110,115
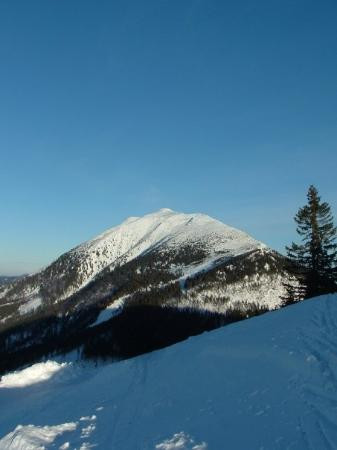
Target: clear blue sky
x,y
114,108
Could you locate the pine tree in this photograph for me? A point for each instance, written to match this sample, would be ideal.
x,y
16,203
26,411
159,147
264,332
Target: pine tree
x,y
314,261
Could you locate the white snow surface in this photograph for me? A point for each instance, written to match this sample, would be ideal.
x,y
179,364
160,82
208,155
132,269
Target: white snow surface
x,y
110,311
137,234
181,441
31,375
30,305
30,437
258,289
265,383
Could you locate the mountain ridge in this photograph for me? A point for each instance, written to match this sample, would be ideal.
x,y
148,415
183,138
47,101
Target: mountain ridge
x,y
184,262
131,238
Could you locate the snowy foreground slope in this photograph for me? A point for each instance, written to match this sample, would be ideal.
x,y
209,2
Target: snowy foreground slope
x,y
265,383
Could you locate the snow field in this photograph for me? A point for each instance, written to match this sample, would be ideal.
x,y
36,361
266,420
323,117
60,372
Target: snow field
x,y
266,383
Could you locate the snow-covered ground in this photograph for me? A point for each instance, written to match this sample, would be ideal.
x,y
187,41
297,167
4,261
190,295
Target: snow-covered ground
x,y
110,311
30,305
263,384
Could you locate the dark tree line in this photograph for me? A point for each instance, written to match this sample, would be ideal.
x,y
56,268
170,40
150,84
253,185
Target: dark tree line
x,y
144,328
138,329
314,261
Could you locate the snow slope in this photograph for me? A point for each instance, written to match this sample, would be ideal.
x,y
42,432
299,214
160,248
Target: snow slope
x,y
263,384
137,234
164,227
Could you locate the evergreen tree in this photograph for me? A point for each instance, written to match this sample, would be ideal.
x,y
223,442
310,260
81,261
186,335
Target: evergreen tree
x,y
314,261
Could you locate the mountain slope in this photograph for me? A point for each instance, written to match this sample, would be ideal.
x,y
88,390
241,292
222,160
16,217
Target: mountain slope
x,y
163,229
266,383
164,259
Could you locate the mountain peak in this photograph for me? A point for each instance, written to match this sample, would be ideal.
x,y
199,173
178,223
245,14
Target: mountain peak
x,y
167,210
164,229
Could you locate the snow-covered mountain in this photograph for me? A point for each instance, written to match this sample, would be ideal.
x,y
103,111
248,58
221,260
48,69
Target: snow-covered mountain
x,y
266,383
164,229
186,261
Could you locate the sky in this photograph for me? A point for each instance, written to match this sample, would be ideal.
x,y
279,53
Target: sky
x,y
119,108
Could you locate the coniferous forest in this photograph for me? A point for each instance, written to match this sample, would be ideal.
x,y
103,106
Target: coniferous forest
x,y
314,259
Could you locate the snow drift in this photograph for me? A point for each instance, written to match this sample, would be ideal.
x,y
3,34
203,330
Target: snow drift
x,y
31,375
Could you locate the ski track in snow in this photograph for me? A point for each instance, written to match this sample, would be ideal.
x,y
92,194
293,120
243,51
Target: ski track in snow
x,y
122,414
269,383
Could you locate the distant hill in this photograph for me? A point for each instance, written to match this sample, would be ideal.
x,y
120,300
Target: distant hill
x,y
6,279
